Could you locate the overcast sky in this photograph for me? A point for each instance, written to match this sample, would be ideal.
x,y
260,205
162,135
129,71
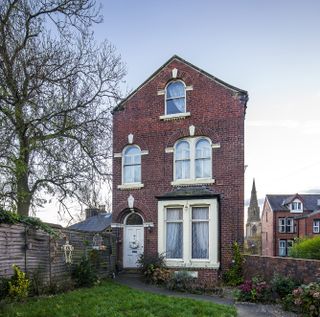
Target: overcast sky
x,y
269,48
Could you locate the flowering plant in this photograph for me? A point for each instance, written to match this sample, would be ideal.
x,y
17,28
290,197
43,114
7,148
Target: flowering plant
x,y
255,290
305,299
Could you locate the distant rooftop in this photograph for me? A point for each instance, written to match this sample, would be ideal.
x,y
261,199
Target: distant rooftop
x,y
96,223
280,202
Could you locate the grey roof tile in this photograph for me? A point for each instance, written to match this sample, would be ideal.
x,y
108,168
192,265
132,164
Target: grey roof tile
x,y
95,223
279,202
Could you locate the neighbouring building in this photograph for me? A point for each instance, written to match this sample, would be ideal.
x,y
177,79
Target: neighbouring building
x,y
178,166
286,217
253,225
97,220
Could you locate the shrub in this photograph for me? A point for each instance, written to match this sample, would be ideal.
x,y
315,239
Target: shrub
x,y
305,300
306,248
154,268
281,286
180,281
234,276
4,287
84,274
18,284
255,290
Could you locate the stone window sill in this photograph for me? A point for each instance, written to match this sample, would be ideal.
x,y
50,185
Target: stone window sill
x,y
186,182
130,186
175,116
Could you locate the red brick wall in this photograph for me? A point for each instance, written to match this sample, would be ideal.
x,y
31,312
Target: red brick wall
x,y
216,112
305,270
267,224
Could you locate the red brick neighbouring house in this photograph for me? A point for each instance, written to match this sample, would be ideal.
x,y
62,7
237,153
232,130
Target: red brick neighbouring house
x,y
286,217
178,167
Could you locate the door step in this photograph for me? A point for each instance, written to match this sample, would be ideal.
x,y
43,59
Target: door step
x,y
132,271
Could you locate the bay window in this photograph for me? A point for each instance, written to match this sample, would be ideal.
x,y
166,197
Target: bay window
x,y
188,232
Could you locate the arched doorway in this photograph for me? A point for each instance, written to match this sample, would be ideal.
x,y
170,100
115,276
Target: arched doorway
x,y
133,245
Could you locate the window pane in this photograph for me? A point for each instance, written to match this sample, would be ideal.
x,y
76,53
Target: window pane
x,y
174,240
137,173
200,233
203,149
182,150
200,240
203,168
134,219
128,174
132,150
175,89
182,169
175,106
174,214
201,213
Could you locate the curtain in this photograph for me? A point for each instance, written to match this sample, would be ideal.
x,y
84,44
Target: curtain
x,y
200,232
182,160
174,233
203,159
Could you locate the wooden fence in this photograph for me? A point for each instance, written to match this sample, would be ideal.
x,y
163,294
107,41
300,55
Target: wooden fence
x,y
36,252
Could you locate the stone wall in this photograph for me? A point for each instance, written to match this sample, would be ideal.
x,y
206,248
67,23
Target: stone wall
x,y
303,270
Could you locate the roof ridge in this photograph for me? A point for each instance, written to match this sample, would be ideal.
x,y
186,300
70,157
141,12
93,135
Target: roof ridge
x,y
216,79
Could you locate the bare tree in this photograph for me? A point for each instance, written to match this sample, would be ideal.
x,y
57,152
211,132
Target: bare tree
x,y
56,91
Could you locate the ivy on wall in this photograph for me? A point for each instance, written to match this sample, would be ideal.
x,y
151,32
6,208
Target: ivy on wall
x,y
11,218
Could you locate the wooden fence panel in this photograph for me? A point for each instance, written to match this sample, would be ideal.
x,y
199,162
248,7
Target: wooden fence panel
x,y
35,252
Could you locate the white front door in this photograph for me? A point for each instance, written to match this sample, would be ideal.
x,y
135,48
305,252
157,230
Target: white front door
x,y
133,245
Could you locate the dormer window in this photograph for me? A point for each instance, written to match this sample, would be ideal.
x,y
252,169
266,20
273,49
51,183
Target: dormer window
x,y
175,98
296,206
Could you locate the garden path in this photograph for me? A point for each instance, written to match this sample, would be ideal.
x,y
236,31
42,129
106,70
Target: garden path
x,y
243,309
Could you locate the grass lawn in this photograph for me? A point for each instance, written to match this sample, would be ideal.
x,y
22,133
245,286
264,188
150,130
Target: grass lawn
x,y
110,299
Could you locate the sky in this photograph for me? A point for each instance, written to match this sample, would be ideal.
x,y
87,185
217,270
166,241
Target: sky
x,y
269,48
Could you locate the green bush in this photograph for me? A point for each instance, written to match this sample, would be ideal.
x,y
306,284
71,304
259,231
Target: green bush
x,y
304,300
181,281
18,284
84,274
306,248
154,268
13,218
234,276
281,286
4,287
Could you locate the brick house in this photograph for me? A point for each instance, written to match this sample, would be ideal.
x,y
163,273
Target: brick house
x,y
178,167
286,217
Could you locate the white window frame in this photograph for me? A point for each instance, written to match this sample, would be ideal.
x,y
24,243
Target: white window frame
x,y
133,184
185,99
316,226
296,206
187,260
291,226
192,180
282,225
283,247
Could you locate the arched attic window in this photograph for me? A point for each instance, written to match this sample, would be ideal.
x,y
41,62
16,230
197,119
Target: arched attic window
x,y
132,165
175,97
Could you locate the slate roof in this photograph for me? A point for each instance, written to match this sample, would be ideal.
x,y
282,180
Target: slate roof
x,y
244,93
95,223
278,202
189,192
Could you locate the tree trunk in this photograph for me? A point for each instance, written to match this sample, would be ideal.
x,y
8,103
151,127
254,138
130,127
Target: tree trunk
x,y
23,195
